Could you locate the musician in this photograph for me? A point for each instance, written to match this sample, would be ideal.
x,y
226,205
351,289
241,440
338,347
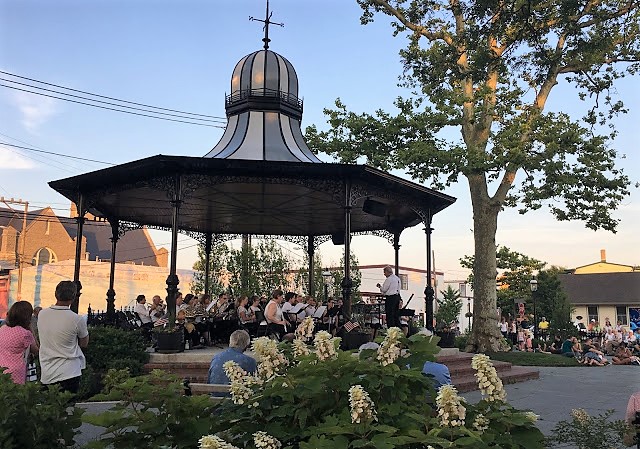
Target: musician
x,y
222,308
246,316
180,304
404,321
330,317
157,309
205,301
276,323
311,307
391,291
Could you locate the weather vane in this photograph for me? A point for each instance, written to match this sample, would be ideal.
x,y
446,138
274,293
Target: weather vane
x,y
267,21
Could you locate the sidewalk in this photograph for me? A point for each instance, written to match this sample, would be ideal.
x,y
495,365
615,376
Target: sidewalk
x,y
559,390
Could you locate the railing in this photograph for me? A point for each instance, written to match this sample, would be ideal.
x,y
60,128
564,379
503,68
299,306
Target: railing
x,y
245,94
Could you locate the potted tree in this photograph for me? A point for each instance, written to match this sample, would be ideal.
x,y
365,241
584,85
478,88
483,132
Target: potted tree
x,y
446,316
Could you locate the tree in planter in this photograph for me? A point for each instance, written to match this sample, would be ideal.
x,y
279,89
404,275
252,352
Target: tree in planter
x,y
448,309
488,69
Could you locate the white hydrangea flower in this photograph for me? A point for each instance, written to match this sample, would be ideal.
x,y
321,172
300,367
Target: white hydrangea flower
x,y
362,407
263,440
300,348
481,423
489,383
580,415
305,329
389,350
325,346
270,360
531,417
233,371
214,442
450,406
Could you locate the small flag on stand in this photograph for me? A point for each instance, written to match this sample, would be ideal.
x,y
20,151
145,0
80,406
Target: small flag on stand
x,y
350,325
161,322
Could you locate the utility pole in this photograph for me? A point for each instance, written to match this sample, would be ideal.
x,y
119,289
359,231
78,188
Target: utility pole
x,y
23,239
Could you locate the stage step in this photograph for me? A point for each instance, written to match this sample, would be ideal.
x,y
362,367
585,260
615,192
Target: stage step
x,y
194,366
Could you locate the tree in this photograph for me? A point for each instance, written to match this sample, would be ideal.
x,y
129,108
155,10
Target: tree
x,y
302,276
448,308
554,303
268,266
487,69
356,279
217,269
513,282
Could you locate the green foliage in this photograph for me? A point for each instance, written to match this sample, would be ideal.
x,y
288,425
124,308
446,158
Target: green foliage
x,y
301,279
534,359
308,407
111,348
217,269
36,418
449,308
590,432
356,278
152,412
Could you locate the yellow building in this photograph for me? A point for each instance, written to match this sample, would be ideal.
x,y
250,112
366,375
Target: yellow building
x,y
604,290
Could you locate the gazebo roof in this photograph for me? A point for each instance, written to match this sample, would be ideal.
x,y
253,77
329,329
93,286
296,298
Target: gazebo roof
x,y
234,196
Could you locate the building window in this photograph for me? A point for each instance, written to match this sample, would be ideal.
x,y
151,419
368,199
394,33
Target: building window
x,y
44,256
592,312
404,281
462,289
46,232
621,315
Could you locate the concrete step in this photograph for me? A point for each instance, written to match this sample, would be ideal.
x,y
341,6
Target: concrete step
x,y
515,374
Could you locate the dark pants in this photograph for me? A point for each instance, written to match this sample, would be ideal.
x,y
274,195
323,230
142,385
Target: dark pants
x,y
71,385
392,309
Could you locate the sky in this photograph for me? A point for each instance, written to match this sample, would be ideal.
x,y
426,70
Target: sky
x,y
180,55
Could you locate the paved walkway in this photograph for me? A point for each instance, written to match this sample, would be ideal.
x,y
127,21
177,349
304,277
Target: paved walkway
x,y
553,396
559,390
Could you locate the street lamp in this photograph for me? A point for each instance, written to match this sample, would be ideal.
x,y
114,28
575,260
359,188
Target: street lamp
x,y
533,284
326,278
469,314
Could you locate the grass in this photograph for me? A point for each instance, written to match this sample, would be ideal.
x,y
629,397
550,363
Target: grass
x,y
533,359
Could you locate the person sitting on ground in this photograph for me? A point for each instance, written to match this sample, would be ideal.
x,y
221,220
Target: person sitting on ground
x,y
571,348
556,345
238,343
592,354
625,357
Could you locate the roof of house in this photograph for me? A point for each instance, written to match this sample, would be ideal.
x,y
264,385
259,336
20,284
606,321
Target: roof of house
x,y
602,288
134,246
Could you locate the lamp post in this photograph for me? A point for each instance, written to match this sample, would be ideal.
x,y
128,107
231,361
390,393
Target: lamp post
x,y
469,314
326,278
533,284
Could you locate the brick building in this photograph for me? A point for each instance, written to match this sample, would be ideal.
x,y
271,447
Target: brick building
x,y
49,239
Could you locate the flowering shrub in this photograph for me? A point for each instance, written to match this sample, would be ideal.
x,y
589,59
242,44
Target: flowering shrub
x,y
324,398
584,431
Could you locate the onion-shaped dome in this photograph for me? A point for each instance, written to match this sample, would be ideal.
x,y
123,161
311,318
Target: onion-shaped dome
x,y
263,112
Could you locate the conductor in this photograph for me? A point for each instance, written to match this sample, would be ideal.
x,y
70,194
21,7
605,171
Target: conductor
x,y
391,291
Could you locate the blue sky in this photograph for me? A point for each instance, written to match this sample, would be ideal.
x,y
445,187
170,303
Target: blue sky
x,y
180,54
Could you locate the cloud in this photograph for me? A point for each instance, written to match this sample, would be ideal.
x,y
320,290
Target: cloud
x,y
35,110
14,161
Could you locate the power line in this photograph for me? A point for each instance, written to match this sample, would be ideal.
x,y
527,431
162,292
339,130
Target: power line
x,y
112,104
113,109
56,154
110,98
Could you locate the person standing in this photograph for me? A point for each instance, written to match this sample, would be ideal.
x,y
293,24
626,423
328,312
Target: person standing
x,y
62,335
17,341
391,291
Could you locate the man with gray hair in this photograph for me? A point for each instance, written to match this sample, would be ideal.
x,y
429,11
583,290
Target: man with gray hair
x,y
391,291
238,343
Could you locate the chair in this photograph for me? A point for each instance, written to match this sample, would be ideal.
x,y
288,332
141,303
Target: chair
x,y
262,324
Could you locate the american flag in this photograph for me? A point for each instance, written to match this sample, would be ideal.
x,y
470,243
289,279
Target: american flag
x,y
350,325
161,322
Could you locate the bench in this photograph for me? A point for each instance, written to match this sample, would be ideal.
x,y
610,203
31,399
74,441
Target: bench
x,y
194,388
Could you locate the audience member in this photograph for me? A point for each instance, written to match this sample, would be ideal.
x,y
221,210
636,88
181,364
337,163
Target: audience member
x,y
438,372
238,343
62,335
17,339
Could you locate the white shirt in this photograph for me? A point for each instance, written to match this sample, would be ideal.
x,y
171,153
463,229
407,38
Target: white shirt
x,y
503,326
391,285
143,312
278,314
60,355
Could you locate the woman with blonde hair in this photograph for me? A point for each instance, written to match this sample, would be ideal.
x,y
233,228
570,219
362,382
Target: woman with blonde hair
x,y
17,341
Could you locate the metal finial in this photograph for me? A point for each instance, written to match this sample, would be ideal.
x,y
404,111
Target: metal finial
x,y
267,21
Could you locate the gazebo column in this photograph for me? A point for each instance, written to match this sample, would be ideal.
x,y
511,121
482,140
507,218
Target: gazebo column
x,y
347,283
311,251
172,279
80,206
396,249
207,257
111,293
429,293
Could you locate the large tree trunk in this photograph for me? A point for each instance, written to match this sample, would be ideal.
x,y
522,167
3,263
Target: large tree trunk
x,y
485,335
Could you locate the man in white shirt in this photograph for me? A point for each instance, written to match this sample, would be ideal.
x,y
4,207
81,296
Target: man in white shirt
x,y
157,309
142,311
391,291
62,334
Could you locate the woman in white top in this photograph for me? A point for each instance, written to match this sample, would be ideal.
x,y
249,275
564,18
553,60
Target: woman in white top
x,y
276,324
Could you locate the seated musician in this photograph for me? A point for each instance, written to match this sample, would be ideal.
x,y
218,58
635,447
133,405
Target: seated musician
x,y
287,305
222,318
256,305
157,309
276,323
311,307
404,321
246,316
330,317
205,301
191,334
